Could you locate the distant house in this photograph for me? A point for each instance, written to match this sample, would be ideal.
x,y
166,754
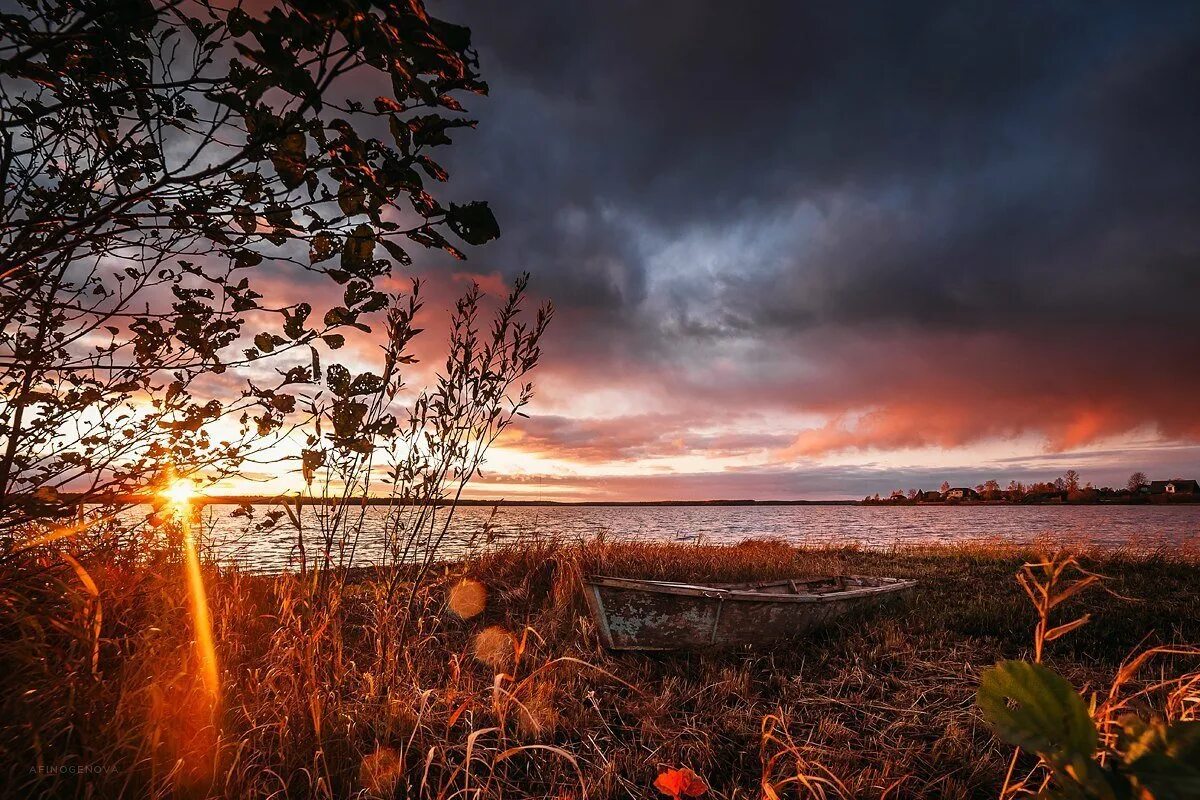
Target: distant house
x,y
962,493
1175,486
930,497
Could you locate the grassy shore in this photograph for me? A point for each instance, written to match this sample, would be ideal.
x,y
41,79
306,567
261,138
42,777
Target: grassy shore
x,y
340,686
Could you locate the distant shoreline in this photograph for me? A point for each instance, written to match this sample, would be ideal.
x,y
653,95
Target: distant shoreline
x,y
388,501
68,499
261,500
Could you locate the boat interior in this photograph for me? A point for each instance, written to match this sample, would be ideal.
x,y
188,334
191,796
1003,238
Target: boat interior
x,y
826,585
791,586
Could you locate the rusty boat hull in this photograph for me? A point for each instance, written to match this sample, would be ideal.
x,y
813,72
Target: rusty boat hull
x,y
632,614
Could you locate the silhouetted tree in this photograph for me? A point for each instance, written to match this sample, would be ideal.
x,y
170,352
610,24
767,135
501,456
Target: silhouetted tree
x,y
1136,481
156,158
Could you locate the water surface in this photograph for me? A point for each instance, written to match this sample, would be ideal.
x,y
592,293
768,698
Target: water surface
x,y
1139,527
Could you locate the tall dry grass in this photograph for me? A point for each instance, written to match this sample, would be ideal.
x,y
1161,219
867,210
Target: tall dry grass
x,y
342,688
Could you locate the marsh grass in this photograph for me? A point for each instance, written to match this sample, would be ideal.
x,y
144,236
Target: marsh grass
x,y
322,697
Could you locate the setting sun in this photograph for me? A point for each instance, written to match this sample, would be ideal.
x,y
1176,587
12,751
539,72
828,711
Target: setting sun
x,y
179,493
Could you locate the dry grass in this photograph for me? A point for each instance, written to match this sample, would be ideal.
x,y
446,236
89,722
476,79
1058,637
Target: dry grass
x,y
322,698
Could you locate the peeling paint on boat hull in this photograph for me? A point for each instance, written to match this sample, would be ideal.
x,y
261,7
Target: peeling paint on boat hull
x,y
648,615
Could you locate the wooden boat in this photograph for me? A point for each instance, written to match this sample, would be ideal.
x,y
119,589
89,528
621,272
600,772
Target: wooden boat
x,y
657,615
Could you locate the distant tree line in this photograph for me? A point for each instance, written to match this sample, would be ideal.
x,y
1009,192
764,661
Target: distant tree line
x,y
1069,487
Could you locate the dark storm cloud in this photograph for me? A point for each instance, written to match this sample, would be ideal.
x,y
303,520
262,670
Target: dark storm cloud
x,y
688,177
997,128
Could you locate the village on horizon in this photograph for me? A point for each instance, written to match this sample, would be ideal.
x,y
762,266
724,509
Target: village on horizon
x,y
1066,489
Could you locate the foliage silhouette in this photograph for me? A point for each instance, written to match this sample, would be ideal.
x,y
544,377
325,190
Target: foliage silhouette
x,y
160,161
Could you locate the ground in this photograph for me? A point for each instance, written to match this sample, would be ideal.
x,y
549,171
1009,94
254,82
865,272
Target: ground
x,y
333,687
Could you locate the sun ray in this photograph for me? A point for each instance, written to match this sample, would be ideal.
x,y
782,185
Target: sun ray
x,y
180,494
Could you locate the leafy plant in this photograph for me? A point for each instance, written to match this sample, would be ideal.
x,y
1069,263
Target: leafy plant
x,y
1034,708
156,159
1091,751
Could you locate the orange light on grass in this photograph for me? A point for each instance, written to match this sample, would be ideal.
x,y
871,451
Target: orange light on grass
x,y
191,717
179,494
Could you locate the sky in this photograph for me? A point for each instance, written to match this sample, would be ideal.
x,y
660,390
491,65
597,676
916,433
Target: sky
x,y
805,250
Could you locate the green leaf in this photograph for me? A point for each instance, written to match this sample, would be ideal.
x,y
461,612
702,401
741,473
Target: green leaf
x,y
246,258
474,222
432,168
1183,741
351,199
1166,760
322,247
396,252
289,159
238,22
339,315
312,460
359,249
1035,709
366,383
283,403
400,133
245,218
337,378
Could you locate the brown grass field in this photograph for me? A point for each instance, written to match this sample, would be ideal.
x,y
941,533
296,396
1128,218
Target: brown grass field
x,y
337,686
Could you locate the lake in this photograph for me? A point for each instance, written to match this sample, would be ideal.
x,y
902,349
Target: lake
x,y
1138,527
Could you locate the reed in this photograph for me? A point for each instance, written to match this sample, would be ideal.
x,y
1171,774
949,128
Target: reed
x,y
353,691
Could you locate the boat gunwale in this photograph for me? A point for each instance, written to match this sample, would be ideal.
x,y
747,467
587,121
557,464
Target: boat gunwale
x,y
889,586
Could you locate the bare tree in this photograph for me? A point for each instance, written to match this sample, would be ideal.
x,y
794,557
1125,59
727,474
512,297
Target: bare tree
x,y
1137,481
430,448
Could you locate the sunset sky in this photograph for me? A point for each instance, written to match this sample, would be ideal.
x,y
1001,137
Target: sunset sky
x,y
800,254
